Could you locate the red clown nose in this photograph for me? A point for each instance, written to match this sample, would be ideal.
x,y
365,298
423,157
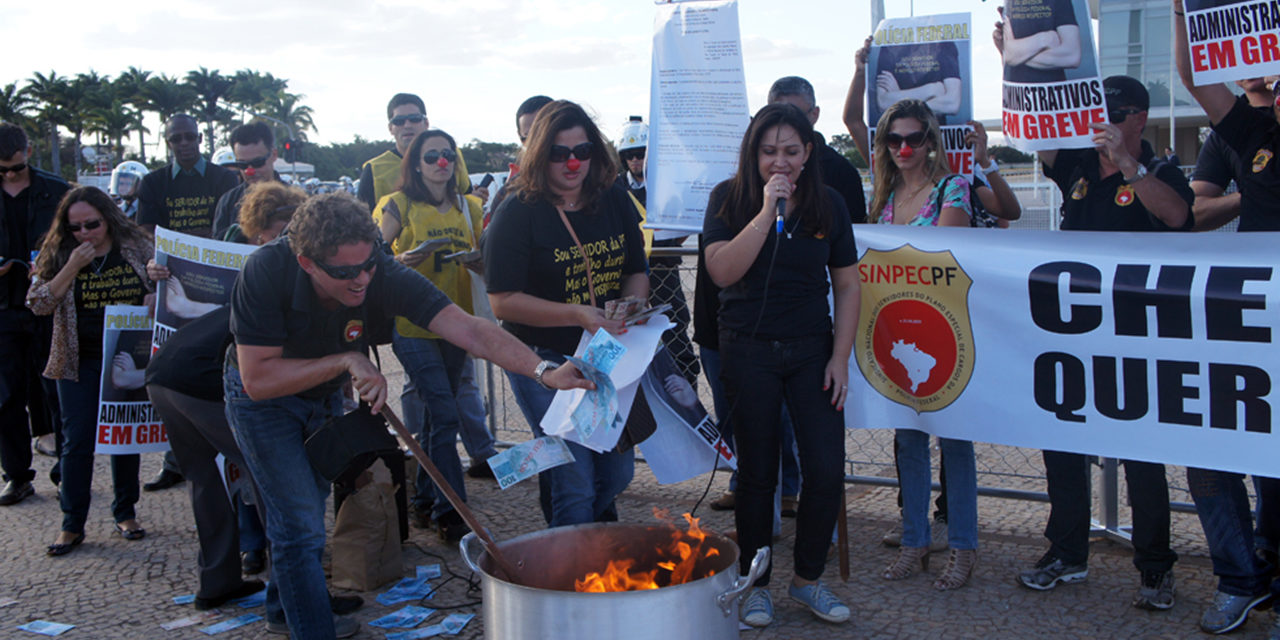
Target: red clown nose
x,y
906,152
250,172
573,164
442,162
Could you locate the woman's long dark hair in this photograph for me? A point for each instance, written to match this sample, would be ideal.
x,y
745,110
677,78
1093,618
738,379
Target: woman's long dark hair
x,y
59,242
746,187
411,182
531,183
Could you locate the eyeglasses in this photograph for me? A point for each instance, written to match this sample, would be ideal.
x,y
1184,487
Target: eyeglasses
x,y
87,226
17,168
914,140
560,153
415,118
1118,115
186,136
432,157
636,154
349,271
256,163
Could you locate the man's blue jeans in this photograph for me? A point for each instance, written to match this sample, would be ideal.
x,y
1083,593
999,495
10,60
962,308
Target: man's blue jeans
x,y
435,368
271,434
915,474
584,489
1223,506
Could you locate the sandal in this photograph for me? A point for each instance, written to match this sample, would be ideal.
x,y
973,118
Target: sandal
x,y
905,565
63,548
131,534
960,566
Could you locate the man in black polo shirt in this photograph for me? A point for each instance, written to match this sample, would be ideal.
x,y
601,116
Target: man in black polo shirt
x,y
28,200
1251,131
837,172
254,147
1120,185
181,195
300,313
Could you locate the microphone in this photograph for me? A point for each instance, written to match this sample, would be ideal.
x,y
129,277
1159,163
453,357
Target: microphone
x,y
782,212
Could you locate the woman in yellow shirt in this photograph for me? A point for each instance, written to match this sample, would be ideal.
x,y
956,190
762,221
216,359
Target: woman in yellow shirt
x,y
425,221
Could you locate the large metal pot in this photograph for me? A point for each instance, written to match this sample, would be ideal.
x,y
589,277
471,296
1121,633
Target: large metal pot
x,y
546,606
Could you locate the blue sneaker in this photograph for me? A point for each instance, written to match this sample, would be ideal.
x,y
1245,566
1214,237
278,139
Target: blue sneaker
x,y
757,608
820,601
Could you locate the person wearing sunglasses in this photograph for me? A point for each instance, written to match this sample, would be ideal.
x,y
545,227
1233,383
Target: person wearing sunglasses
x,y
253,145
182,195
1119,185
302,312
28,202
92,257
380,175
426,208
914,186
547,294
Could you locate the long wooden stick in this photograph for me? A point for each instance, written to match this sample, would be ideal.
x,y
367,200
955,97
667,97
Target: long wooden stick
x,y
458,504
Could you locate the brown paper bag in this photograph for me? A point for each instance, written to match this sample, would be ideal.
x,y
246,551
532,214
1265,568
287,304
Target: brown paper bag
x,y
366,538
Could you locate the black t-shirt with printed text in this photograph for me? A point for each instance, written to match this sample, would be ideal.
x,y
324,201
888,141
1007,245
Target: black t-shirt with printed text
x,y
190,361
527,249
916,65
184,203
107,280
1255,136
275,304
1092,203
797,279
1029,17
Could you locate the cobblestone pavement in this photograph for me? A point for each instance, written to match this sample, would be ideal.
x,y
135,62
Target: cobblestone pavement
x,y
113,588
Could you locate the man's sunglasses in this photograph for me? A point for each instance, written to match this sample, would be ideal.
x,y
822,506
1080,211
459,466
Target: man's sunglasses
x,y
87,226
637,154
415,118
1118,115
914,140
432,157
349,271
17,168
256,163
560,153
186,136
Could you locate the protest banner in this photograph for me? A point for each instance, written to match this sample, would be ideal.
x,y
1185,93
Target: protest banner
x,y
697,111
201,274
1232,39
126,421
1150,347
1052,86
686,442
928,58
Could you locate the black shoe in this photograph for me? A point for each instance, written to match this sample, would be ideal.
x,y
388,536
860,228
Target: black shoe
x,y
480,469
419,518
252,562
343,605
164,480
15,492
62,549
246,589
451,527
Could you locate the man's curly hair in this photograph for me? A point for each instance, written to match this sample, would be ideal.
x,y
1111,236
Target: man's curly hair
x,y
326,222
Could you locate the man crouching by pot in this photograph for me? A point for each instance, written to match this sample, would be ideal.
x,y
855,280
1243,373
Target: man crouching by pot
x,y
300,313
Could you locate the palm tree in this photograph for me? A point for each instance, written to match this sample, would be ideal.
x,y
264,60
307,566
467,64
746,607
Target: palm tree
x,y
285,107
130,88
46,91
114,122
209,87
249,88
14,104
166,96
81,96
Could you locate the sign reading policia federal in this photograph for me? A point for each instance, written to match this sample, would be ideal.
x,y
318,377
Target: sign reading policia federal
x,y
1153,347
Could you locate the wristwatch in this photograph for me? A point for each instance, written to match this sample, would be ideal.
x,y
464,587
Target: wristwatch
x,y
541,370
991,168
1138,175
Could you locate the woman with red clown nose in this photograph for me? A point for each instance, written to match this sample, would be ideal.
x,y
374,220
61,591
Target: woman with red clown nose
x,y
915,186
566,242
428,208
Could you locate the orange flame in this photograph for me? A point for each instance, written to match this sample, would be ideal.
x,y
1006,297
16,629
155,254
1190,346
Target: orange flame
x,y
680,557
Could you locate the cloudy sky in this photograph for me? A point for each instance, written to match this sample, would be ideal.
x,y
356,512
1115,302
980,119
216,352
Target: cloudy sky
x,y
472,61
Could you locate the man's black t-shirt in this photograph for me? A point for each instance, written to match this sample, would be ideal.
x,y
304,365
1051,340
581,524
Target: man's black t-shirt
x,y
107,280
1091,203
797,303
184,203
840,174
527,249
916,65
13,285
1255,137
190,362
274,304
1029,17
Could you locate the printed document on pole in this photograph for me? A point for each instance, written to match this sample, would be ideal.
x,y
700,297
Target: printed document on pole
x,y
1232,40
201,275
697,111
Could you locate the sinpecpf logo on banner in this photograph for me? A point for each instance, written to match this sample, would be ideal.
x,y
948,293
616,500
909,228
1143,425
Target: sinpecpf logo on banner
x,y
914,343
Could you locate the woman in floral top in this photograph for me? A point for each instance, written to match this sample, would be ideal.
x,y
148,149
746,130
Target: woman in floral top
x,y
914,185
